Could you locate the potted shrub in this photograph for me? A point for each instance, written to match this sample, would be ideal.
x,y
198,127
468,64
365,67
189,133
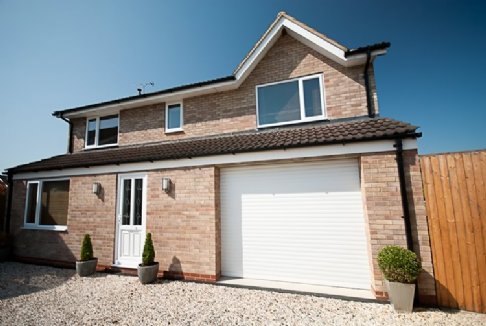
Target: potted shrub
x,y
87,264
400,267
4,246
147,270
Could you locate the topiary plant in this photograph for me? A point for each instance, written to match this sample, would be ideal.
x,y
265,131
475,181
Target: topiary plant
x,y
399,264
86,248
148,251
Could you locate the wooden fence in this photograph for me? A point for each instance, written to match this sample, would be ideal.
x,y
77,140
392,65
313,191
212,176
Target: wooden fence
x,y
455,193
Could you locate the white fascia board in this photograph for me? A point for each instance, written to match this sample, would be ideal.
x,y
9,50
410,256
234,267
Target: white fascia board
x,y
306,37
324,47
239,158
257,54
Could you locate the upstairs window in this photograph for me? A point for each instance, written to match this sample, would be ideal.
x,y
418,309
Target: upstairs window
x,y
47,204
173,117
292,101
102,131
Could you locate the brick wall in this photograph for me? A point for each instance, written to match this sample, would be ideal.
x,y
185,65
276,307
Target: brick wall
x,y
235,110
93,214
88,213
383,207
420,229
184,223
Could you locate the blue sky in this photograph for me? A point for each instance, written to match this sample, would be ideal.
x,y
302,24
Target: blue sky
x,y
63,54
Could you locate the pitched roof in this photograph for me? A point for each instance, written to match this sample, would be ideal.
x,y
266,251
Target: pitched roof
x,y
284,22
285,137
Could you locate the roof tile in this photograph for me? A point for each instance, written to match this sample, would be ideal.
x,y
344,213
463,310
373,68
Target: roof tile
x,y
268,139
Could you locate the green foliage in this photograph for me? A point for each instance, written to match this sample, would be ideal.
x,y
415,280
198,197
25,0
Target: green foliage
x,y
148,251
86,248
399,264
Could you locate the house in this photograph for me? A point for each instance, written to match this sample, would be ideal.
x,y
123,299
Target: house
x,y
284,170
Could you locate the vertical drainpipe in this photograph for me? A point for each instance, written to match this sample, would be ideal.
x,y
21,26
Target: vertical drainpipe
x,y
403,192
70,139
9,202
406,209
369,101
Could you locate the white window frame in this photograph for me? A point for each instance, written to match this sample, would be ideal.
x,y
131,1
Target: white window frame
x,y
36,225
170,130
301,80
97,131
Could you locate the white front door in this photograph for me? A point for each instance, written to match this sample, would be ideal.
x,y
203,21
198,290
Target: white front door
x,y
131,213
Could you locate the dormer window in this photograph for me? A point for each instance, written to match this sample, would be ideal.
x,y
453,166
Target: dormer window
x,y
291,101
173,117
102,131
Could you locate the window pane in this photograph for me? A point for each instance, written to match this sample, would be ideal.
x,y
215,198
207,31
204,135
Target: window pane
x,y
126,205
32,202
91,132
108,133
137,219
278,103
312,97
174,116
55,202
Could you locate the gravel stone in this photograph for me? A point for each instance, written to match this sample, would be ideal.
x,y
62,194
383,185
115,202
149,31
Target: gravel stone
x,y
38,295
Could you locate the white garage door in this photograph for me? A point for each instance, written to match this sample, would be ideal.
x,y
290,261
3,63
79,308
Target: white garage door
x,y
296,223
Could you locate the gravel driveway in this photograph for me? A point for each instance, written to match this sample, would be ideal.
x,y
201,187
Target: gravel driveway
x,y
36,295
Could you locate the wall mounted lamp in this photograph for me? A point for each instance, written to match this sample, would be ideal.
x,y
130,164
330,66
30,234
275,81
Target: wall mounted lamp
x,y
96,188
166,184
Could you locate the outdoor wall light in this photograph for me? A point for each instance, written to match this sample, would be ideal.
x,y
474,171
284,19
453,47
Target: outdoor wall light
x,y
166,183
96,188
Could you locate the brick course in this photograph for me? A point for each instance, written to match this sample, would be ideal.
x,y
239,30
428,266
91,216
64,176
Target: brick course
x,y
183,223
384,214
235,110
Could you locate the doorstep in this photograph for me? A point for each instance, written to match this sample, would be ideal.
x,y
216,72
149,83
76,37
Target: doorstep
x,y
317,290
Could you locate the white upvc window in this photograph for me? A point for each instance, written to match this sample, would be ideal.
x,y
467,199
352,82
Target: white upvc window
x,y
46,204
102,131
291,101
173,117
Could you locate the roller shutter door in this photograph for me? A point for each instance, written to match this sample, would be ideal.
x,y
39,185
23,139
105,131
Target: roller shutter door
x,y
296,223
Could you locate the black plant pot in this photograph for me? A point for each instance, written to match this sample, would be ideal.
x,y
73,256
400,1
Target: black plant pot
x,y
87,267
147,274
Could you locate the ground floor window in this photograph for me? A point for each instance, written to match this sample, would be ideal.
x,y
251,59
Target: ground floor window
x,y
47,204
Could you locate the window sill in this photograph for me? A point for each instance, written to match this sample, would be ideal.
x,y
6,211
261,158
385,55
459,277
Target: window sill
x,y
294,122
58,228
171,131
98,147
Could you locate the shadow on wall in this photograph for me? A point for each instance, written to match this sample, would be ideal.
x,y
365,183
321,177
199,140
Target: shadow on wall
x,y
39,245
446,298
425,278
175,269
